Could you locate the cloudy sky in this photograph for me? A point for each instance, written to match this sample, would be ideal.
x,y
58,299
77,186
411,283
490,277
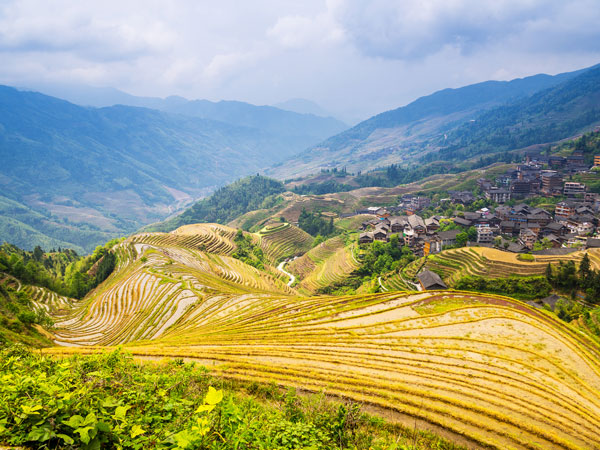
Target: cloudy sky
x,y
353,57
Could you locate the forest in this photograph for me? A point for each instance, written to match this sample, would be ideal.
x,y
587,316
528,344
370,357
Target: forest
x,y
62,271
227,203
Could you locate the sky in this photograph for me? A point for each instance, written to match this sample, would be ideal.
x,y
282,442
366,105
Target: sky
x,y
355,58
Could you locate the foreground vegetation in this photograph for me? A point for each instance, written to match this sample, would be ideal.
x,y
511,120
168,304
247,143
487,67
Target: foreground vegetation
x,y
109,401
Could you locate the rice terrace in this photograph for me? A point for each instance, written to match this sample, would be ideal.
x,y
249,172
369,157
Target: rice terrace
x,y
305,225
433,356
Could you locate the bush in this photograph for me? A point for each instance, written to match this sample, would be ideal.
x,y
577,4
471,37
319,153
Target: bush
x,y
526,288
526,257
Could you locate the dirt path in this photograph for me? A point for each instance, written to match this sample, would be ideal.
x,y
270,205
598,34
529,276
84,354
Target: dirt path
x,y
281,269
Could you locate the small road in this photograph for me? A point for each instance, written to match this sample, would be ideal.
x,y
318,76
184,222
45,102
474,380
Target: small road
x,y
281,269
383,288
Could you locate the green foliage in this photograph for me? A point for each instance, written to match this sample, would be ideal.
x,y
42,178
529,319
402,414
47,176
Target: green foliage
x,y
248,252
229,202
568,278
18,319
568,310
62,271
314,224
109,401
383,257
519,287
526,257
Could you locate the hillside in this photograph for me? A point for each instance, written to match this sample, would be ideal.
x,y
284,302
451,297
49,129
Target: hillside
x,y
227,203
405,134
434,357
75,176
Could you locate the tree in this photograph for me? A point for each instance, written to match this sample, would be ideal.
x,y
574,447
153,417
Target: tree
x,y
549,273
461,239
38,253
584,269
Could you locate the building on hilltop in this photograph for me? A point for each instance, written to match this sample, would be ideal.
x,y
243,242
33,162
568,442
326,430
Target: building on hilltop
x,y
485,235
497,195
551,182
527,237
365,238
573,189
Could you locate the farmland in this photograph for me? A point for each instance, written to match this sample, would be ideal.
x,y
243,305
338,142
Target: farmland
x,y
282,240
431,358
488,262
329,262
434,357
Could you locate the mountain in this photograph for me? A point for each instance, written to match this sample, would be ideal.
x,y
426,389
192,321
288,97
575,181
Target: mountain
x,y
77,176
296,130
403,135
303,106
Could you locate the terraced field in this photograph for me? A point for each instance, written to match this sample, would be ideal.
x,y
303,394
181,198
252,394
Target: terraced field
x,y
433,356
489,262
482,369
154,287
328,263
208,237
282,240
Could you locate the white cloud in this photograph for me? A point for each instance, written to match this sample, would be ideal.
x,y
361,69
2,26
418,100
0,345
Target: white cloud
x,y
354,57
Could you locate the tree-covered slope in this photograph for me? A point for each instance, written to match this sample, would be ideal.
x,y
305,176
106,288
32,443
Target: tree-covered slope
x,y
547,116
111,170
405,134
227,203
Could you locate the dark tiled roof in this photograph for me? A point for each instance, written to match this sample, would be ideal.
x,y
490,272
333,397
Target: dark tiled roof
x,y
461,221
592,243
450,234
431,279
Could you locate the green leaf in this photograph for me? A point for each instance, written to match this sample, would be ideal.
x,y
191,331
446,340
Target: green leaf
x,y
90,419
109,402
183,439
120,412
203,408
103,426
74,421
31,410
213,396
40,434
68,439
136,430
84,434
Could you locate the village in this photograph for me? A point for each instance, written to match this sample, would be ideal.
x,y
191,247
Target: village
x,y
504,224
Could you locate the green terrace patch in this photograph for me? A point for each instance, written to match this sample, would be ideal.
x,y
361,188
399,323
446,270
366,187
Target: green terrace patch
x,y
443,305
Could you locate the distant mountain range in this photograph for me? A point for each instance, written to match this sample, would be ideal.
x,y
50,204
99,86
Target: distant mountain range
x,y
299,122
75,176
453,124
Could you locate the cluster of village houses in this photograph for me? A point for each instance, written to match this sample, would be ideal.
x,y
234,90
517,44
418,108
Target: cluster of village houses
x,y
572,224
